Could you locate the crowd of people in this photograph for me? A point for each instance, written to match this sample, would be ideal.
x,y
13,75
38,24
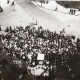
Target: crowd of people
x,y
72,11
26,43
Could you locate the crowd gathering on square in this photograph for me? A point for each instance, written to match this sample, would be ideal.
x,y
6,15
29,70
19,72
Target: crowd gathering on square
x,y
59,49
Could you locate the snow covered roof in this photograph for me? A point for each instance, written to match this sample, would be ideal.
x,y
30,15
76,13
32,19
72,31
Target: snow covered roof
x,y
40,57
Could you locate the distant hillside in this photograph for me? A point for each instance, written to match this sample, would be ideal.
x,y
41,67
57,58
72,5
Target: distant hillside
x,y
70,4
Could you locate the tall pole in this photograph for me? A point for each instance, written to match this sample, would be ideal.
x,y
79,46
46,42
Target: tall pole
x,y
41,3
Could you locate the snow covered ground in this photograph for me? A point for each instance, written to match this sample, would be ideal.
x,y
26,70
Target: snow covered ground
x,y
3,3
27,12
62,13
52,5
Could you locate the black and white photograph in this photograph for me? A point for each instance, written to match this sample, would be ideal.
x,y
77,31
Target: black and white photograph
x,y
39,40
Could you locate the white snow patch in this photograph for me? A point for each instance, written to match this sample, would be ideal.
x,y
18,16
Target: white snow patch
x,y
40,57
3,3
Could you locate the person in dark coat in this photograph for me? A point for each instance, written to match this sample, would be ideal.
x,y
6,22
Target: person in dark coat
x,y
74,11
1,10
70,11
8,1
0,28
13,4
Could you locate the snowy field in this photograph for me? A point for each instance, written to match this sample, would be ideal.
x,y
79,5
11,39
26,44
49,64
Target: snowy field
x,y
27,12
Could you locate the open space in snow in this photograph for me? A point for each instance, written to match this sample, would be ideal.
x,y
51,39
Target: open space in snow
x,y
27,12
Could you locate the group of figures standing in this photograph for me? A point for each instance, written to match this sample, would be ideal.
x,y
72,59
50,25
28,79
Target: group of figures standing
x,y
72,11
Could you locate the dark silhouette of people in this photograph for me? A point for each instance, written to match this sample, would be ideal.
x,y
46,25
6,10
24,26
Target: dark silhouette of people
x,y
1,9
8,1
79,9
12,3
56,8
0,28
72,11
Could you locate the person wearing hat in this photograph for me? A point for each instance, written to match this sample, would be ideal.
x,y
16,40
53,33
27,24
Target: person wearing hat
x,y
8,1
1,10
